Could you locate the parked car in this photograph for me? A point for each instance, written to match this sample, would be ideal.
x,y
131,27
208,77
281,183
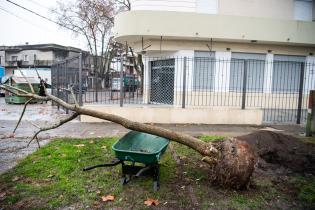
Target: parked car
x,y
129,84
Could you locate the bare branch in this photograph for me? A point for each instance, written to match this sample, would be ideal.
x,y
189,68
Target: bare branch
x,y
22,114
73,96
34,125
28,82
68,119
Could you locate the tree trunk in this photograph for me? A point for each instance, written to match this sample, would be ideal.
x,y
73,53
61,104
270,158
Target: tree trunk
x,y
232,161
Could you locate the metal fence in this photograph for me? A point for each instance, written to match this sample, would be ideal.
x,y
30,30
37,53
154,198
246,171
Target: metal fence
x,y
279,88
115,87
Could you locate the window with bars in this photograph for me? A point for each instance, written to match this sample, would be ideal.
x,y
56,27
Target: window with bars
x,y
255,67
204,70
286,73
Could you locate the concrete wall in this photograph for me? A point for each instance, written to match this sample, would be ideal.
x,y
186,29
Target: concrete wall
x,y
2,54
277,9
164,5
132,26
40,55
147,114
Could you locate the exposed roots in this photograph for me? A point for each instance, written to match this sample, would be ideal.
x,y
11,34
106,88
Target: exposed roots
x,y
235,164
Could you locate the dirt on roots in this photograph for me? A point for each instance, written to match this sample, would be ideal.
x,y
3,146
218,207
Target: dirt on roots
x,y
282,150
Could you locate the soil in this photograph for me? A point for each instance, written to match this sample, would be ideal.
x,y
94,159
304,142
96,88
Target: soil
x,y
276,149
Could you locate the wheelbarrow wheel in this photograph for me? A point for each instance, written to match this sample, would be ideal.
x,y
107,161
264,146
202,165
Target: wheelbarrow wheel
x,y
156,186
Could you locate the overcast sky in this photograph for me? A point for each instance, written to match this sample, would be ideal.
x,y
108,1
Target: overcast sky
x,y
19,26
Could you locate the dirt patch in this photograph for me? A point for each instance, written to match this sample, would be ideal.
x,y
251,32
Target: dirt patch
x,y
279,149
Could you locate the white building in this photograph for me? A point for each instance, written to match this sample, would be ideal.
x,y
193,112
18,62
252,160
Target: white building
x,y
198,53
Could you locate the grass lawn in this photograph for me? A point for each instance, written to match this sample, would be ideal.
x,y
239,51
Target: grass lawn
x,y
53,178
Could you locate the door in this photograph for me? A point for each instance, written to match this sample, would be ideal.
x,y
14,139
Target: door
x,y
162,81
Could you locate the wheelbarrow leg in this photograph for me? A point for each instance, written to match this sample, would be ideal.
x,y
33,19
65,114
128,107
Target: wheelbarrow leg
x,y
125,178
156,178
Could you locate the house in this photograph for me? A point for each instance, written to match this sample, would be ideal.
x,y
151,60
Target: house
x,y
229,55
36,56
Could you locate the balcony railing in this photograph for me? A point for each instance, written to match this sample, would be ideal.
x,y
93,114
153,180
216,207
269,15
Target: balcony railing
x,y
29,63
43,62
11,63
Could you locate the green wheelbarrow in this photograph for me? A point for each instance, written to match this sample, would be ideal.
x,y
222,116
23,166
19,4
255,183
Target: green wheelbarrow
x,y
137,147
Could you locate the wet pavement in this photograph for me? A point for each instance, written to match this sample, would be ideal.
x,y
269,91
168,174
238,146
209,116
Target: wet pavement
x,y
13,148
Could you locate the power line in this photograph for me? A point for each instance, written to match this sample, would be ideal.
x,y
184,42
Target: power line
x,y
23,19
38,4
48,19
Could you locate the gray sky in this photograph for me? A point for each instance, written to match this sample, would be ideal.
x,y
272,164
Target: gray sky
x,y
22,26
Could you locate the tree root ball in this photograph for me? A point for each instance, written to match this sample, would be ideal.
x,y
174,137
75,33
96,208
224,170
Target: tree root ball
x,y
235,165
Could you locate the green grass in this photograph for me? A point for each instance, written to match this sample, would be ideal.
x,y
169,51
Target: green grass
x,y
53,178
211,138
308,139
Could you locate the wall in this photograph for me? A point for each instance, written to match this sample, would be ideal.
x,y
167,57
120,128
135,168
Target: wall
x,y
132,26
164,5
167,115
40,55
2,54
277,9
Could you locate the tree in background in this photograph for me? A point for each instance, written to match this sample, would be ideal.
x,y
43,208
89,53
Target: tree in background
x,y
94,19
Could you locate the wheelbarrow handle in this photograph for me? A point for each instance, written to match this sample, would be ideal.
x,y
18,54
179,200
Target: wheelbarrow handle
x,y
114,163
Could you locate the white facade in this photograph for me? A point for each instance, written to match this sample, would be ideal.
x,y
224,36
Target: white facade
x,y
279,9
251,53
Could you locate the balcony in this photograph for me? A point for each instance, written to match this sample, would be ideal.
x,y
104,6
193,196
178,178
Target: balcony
x,y
133,25
43,63
11,63
38,63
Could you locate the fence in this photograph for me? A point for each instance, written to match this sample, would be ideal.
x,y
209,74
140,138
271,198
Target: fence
x,y
279,88
89,87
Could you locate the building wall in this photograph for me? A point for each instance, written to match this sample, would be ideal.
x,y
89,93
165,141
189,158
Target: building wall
x,y
277,9
146,114
2,55
132,26
164,5
221,91
40,55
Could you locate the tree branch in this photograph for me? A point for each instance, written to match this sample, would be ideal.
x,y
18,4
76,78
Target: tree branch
x,y
28,82
22,114
68,119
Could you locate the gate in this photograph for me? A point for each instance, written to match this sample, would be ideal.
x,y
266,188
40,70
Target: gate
x,y
162,81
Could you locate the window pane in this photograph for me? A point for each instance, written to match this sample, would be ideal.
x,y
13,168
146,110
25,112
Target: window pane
x,y
204,65
255,64
286,73
303,10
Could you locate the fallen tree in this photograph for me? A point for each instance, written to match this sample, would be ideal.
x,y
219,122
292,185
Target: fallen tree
x,y
232,161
